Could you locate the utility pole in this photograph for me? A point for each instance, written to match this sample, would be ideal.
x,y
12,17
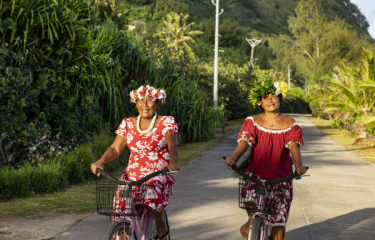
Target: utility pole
x,y
288,77
253,42
216,66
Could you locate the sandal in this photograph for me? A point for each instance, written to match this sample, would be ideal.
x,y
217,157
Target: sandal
x,y
160,238
165,234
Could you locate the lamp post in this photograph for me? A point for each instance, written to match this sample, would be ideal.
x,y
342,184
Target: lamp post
x,y
216,66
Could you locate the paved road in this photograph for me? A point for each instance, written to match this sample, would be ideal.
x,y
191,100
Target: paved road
x,y
336,202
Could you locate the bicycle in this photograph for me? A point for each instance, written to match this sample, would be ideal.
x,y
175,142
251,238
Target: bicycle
x,y
262,198
133,192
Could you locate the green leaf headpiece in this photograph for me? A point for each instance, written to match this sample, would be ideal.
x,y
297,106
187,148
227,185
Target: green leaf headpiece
x,y
262,90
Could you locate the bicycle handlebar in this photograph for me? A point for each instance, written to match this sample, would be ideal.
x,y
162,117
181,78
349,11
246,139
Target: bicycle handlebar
x,y
133,183
284,179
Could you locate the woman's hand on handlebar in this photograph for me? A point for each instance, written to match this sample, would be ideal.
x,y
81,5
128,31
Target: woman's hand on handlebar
x,y
98,164
301,170
173,167
230,162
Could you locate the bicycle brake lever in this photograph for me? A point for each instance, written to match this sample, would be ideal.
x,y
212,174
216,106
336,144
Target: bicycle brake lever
x,y
172,172
299,177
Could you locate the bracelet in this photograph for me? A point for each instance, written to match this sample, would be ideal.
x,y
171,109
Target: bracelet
x,y
299,166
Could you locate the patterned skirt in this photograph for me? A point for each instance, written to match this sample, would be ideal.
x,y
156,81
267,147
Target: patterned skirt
x,y
157,197
282,203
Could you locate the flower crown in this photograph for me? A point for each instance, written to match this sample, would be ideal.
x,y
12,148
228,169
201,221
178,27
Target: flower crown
x,y
266,87
148,92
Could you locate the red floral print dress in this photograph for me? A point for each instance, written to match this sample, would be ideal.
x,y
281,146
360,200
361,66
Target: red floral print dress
x,y
270,159
149,153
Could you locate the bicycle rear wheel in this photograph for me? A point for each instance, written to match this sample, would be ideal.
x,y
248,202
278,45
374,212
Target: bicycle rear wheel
x,y
255,230
154,230
116,228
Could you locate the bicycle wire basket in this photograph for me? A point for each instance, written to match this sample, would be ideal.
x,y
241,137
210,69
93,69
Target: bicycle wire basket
x,y
273,196
119,200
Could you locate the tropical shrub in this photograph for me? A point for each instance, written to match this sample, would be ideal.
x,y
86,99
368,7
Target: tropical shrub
x,y
57,173
348,92
28,180
297,101
65,75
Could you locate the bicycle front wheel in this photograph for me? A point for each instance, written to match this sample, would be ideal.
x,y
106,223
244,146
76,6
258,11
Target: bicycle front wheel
x,y
154,230
116,228
255,230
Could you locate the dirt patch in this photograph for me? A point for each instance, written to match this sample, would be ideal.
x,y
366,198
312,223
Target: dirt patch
x,y
38,227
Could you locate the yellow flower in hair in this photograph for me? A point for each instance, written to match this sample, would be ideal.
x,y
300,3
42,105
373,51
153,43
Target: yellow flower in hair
x,y
281,88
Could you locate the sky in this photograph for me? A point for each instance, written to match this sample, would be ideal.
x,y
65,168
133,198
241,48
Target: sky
x,y
367,7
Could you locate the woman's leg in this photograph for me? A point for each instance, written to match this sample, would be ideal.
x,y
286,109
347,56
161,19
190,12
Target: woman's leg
x,y
278,233
251,208
160,224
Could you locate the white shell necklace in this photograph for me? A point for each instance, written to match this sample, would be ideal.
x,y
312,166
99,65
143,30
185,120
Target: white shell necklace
x,y
149,128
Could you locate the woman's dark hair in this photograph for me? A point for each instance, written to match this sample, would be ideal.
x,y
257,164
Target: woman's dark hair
x,y
280,96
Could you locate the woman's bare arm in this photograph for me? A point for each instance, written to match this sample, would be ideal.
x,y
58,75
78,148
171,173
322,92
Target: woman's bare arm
x,y
296,155
111,154
172,142
237,154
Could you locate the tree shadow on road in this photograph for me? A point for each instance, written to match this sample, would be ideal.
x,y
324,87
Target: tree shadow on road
x,y
355,225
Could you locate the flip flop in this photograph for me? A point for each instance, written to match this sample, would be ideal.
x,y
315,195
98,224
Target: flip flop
x,y
167,233
160,238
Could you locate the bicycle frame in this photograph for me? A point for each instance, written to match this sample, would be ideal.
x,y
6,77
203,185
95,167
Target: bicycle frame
x,y
135,222
266,231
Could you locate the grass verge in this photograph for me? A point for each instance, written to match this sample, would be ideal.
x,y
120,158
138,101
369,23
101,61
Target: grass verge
x,y
363,149
80,198
77,199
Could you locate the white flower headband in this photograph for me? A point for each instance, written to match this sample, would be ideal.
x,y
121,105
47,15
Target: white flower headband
x,y
149,92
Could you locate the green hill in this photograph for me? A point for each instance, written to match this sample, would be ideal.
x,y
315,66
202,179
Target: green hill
x,y
241,19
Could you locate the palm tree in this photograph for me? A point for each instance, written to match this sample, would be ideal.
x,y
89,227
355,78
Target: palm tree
x,y
350,88
368,82
175,34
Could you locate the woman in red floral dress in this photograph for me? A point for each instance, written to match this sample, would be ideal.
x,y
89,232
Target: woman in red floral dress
x,y
152,142
272,138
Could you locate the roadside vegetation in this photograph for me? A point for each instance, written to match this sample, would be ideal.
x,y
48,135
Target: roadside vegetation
x,y
67,68
345,138
347,98
81,198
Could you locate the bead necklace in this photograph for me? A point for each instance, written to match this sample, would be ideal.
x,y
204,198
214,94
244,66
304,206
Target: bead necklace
x,y
149,128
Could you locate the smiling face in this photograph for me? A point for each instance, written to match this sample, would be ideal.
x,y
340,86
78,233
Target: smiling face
x,y
270,103
146,108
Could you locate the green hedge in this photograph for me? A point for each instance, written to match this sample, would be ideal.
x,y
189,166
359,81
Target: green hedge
x,y
29,179
58,173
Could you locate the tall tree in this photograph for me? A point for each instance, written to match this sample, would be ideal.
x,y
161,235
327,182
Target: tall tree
x,y
318,43
175,33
